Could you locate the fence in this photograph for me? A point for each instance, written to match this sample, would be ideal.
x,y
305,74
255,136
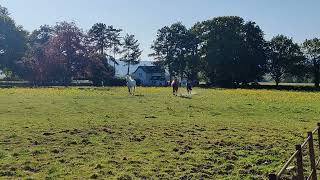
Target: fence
x,y
298,155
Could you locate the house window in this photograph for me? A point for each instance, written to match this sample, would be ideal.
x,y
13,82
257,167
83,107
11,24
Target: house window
x,y
140,74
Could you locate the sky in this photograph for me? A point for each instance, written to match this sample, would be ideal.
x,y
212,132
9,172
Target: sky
x,y
299,19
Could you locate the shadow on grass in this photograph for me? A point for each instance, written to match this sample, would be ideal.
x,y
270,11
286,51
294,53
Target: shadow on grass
x,y
184,96
139,95
270,87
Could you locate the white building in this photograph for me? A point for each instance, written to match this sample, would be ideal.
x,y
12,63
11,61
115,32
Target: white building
x,y
2,75
151,76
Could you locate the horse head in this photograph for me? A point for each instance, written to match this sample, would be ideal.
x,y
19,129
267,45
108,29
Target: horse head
x,y
128,77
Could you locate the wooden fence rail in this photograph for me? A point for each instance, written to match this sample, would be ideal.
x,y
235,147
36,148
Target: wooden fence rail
x,y
298,156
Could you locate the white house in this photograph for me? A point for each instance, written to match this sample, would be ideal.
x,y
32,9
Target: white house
x,y
2,75
151,75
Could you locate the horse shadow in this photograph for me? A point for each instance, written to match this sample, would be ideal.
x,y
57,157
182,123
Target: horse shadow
x,y
139,95
185,96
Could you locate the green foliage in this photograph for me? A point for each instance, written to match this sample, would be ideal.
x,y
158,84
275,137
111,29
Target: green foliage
x,y
4,11
13,41
176,48
285,57
98,36
106,39
233,51
100,71
311,49
131,51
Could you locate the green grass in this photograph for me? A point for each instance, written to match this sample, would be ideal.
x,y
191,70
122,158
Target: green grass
x,y
103,133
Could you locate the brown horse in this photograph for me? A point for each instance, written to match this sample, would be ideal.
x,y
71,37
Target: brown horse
x,y
175,86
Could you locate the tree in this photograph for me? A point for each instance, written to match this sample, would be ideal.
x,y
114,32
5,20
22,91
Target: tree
x,y
115,43
100,70
99,37
284,57
131,51
68,51
253,60
223,50
60,53
232,51
35,65
106,39
41,36
13,42
163,49
311,50
176,49
4,11
192,56
56,55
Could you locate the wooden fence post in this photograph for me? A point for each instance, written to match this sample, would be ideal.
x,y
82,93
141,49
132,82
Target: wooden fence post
x,y
273,177
319,135
312,157
299,163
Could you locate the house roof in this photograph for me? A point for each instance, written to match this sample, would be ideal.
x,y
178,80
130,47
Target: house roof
x,y
151,69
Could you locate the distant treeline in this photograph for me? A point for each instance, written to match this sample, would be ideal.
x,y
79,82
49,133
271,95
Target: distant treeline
x,y
63,52
223,51
229,52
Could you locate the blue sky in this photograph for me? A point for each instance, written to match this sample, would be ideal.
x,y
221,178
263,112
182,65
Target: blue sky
x,y
299,19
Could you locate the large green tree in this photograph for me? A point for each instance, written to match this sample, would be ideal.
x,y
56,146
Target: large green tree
x,y
100,70
13,42
253,59
311,50
233,50
114,39
99,37
285,58
106,40
131,51
176,49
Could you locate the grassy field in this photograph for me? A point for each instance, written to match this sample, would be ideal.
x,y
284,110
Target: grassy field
x,y
103,133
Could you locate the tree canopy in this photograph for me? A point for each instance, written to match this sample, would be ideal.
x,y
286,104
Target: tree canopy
x,y
311,50
285,57
131,51
176,48
13,41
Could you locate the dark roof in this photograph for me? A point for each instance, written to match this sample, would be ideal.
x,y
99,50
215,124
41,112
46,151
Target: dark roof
x,y
151,69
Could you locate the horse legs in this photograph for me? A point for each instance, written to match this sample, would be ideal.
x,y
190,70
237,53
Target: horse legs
x,y
175,91
129,90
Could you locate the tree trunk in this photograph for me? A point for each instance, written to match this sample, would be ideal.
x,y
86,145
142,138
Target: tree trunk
x,y
128,54
101,50
316,75
128,69
114,63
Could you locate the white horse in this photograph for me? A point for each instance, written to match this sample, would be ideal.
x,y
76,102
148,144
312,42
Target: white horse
x,y
132,84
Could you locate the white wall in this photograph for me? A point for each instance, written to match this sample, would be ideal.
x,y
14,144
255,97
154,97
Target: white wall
x,y
2,75
140,74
